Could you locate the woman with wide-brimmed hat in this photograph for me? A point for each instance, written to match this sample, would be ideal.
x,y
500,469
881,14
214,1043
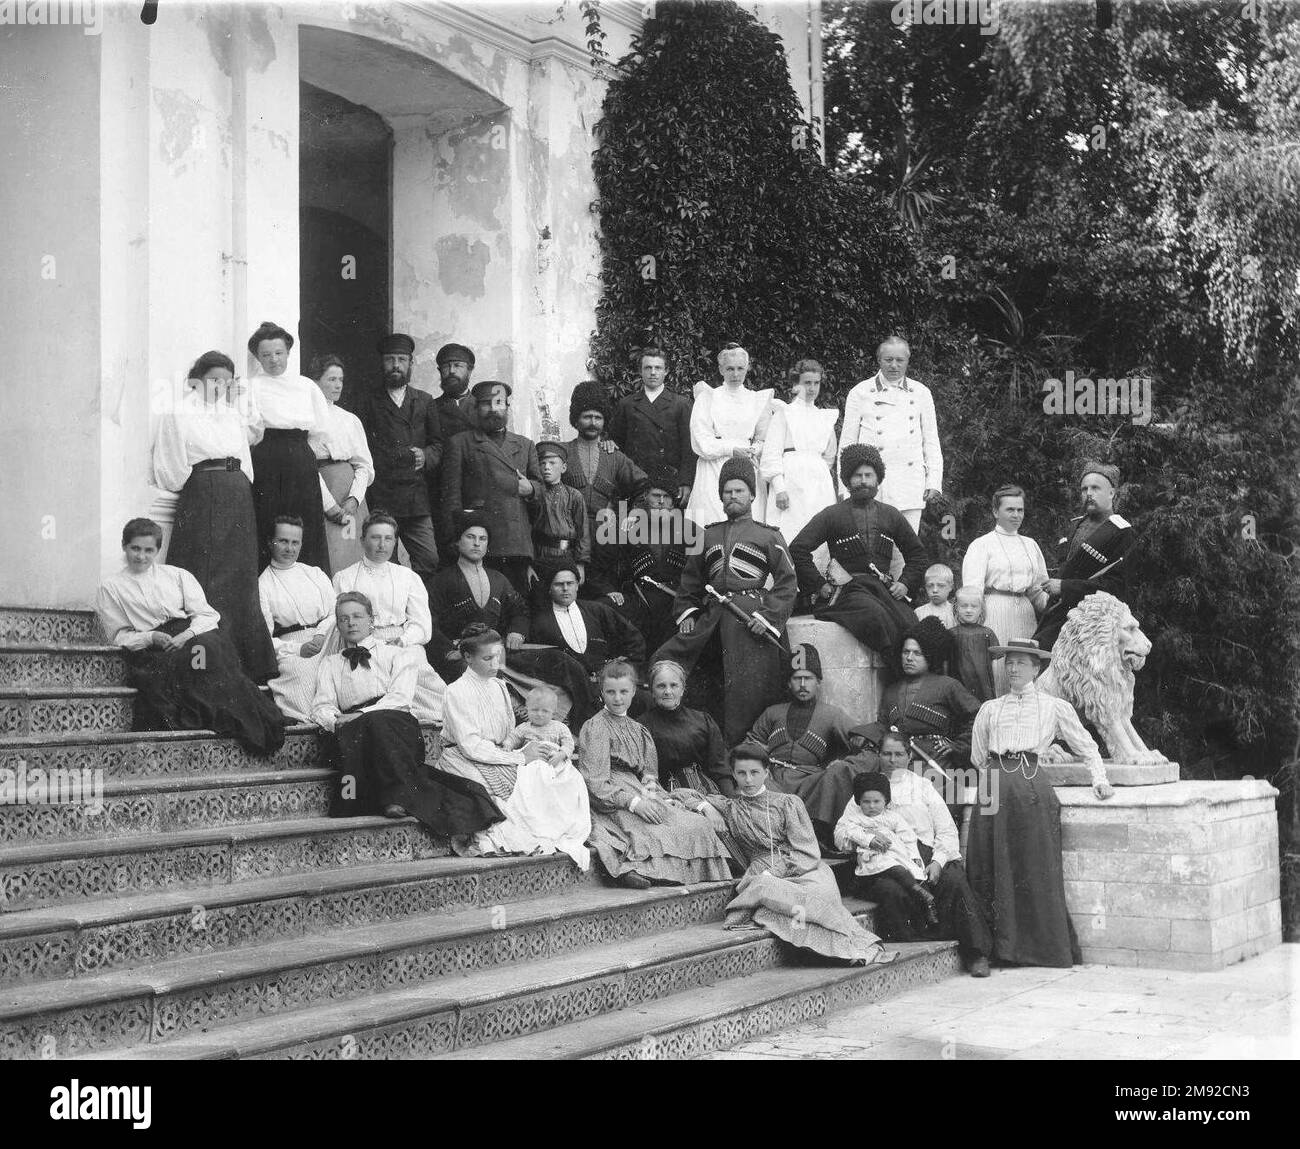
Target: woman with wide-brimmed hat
x,y
1014,852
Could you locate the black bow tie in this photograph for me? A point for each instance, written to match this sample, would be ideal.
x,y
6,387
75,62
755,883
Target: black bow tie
x,y
357,656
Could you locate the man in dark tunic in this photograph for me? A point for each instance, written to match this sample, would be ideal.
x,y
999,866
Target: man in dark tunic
x,y
494,471
1093,552
737,557
405,439
861,535
655,540
808,742
609,482
653,426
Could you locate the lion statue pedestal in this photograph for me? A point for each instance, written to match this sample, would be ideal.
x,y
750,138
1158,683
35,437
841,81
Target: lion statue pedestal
x,y
1167,874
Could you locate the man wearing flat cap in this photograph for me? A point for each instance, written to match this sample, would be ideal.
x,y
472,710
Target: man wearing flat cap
x,y
405,438
455,404
862,535
736,557
1093,550
610,484
494,472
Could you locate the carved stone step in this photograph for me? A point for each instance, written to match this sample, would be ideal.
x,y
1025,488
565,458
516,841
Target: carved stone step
x,y
167,753
116,933
133,806
27,625
63,709
70,872
68,664
190,995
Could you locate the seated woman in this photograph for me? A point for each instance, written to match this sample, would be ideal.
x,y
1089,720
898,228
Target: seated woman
x,y
687,742
363,698
787,888
185,669
638,836
540,794
1015,845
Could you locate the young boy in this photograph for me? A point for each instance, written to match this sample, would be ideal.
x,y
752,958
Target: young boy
x,y
542,725
560,526
885,842
939,581
971,642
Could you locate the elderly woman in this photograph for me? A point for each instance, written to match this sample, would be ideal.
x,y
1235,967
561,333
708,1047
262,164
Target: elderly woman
x,y
285,481
727,422
346,468
363,699
540,794
799,454
787,888
1015,841
185,669
1012,573
639,837
201,450
688,743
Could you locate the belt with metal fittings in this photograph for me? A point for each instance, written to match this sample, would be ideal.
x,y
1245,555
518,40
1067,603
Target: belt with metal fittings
x,y
227,464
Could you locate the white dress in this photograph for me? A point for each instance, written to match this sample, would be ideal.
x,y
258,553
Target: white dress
x,y
298,596
1002,562
547,810
721,421
798,454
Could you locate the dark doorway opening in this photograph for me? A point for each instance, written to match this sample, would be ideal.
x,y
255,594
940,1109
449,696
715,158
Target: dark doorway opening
x,y
345,225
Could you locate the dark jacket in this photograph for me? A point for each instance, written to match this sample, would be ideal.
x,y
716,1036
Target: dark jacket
x,y
453,609
481,473
609,635
837,526
391,432
656,434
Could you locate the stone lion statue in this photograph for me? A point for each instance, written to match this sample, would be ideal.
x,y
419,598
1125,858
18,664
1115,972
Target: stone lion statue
x,y
1099,649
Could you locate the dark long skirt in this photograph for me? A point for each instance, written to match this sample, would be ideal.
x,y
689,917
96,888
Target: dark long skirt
x,y
215,539
201,687
867,610
1015,869
285,482
380,758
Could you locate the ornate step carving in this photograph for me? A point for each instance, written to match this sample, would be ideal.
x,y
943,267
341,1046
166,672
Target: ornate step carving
x,y
29,625
26,710
65,665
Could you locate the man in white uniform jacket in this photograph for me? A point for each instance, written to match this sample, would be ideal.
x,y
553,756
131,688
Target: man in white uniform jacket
x,y
895,415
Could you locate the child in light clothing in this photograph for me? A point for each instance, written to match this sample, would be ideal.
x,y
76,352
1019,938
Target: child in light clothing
x,y
972,664
884,842
542,725
939,581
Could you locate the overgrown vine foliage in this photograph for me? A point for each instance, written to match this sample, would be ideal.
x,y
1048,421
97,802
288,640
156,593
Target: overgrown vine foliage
x,y
719,223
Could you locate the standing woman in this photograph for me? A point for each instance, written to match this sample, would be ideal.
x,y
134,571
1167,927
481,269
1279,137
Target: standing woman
x,y
185,669
1011,570
1015,845
201,450
285,481
727,422
346,468
799,453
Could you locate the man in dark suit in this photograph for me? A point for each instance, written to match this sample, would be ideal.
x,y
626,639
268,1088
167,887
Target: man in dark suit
x,y
405,438
455,404
653,425
494,472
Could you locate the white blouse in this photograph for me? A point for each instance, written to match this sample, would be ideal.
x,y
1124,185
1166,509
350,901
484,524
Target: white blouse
x,y
1003,561
390,678
572,627
131,606
808,430
477,719
1031,720
290,402
397,594
722,420
343,439
299,595
196,431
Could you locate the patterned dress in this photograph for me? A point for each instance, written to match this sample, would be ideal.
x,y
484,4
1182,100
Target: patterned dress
x,y
616,756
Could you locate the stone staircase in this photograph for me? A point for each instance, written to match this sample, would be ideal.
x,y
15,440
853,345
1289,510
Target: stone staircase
x,y
196,902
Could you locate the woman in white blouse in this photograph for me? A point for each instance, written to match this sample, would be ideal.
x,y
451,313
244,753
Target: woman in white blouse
x,y
184,667
201,451
346,468
543,797
1009,568
727,422
285,481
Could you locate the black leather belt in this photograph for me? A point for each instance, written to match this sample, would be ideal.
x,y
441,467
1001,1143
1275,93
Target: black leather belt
x,y
229,463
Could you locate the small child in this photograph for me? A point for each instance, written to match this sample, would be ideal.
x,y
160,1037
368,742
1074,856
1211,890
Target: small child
x,y
971,644
561,529
542,725
885,842
939,581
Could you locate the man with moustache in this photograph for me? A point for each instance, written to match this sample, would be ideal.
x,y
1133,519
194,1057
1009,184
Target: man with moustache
x,y
862,535
1093,551
495,473
405,438
455,404
653,426
737,556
